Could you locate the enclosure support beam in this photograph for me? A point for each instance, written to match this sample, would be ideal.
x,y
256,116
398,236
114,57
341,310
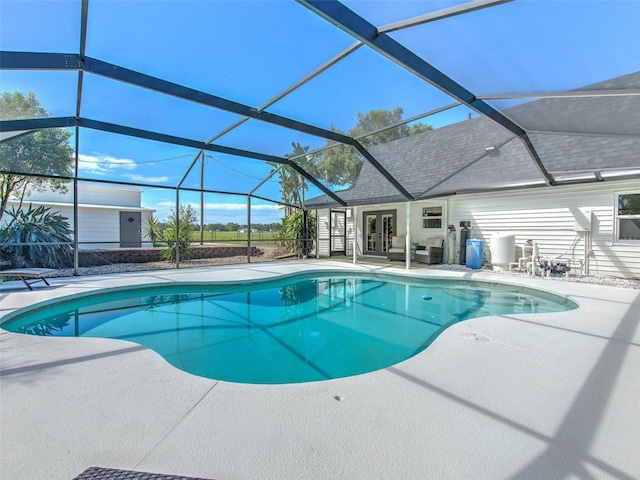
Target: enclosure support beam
x,y
313,180
352,48
465,167
135,132
441,14
305,233
372,160
126,75
35,124
202,199
63,61
248,228
76,233
177,227
358,27
76,213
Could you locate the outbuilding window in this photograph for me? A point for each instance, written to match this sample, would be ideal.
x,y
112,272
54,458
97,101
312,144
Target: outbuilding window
x,y
627,214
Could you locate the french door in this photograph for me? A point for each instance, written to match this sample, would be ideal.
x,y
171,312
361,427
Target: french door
x,y
378,229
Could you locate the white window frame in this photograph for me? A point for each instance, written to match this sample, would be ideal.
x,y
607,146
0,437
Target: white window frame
x,y
426,217
617,218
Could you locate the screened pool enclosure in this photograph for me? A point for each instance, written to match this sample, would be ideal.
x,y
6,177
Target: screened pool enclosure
x,y
235,114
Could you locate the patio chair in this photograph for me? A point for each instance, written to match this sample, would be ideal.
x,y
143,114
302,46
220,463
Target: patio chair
x,y
397,249
432,253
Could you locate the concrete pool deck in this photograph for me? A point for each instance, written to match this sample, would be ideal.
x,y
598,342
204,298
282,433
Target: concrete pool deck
x,y
537,396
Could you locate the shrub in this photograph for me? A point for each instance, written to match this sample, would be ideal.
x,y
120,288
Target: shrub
x,y
179,230
42,227
292,233
152,228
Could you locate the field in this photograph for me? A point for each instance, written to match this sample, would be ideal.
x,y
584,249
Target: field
x,y
261,238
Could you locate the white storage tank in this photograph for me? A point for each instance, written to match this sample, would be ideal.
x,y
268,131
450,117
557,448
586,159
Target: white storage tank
x,y
503,250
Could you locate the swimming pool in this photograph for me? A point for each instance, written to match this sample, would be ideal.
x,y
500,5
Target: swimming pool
x,y
292,329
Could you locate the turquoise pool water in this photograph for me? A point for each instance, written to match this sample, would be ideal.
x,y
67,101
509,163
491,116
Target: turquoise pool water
x,y
289,330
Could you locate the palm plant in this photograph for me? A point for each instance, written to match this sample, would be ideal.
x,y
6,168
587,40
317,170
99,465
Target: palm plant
x,y
152,228
40,236
178,230
293,230
177,233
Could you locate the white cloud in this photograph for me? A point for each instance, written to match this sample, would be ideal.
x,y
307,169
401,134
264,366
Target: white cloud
x,y
143,179
104,164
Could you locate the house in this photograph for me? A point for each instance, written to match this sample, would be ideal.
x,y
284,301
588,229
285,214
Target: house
x,y
477,172
109,216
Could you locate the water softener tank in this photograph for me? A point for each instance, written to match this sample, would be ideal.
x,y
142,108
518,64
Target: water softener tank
x,y
451,245
474,253
464,235
503,250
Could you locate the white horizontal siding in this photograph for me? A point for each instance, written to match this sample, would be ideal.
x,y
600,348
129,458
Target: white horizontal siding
x,y
548,217
95,224
91,193
419,234
109,196
323,233
99,225
545,215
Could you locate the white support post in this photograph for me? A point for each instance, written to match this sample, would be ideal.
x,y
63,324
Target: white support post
x,y
355,235
407,247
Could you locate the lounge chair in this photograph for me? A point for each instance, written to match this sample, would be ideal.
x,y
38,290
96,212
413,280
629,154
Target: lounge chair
x,y
397,249
35,274
432,252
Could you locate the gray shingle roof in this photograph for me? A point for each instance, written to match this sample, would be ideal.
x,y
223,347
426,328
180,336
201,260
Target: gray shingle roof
x,y
453,159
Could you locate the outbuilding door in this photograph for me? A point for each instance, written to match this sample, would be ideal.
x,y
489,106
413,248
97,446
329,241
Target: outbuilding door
x,y
130,224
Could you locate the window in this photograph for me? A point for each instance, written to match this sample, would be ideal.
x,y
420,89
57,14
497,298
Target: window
x,y
627,214
432,217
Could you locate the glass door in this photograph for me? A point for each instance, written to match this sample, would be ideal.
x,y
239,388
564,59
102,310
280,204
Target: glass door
x,y
379,227
370,234
388,229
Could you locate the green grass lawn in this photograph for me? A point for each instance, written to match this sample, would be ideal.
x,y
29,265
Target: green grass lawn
x,y
262,238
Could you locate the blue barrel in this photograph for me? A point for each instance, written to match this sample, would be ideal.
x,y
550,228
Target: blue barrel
x,y
475,249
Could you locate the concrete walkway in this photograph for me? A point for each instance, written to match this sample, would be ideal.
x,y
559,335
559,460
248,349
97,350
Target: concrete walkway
x,y
553,396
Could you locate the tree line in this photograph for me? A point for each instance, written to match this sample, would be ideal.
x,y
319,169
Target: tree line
x,y
234,227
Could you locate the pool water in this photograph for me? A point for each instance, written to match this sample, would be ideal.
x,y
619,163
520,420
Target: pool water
x,y
289,330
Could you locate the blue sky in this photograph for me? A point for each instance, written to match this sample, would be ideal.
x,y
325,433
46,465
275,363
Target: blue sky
x,y
251,51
